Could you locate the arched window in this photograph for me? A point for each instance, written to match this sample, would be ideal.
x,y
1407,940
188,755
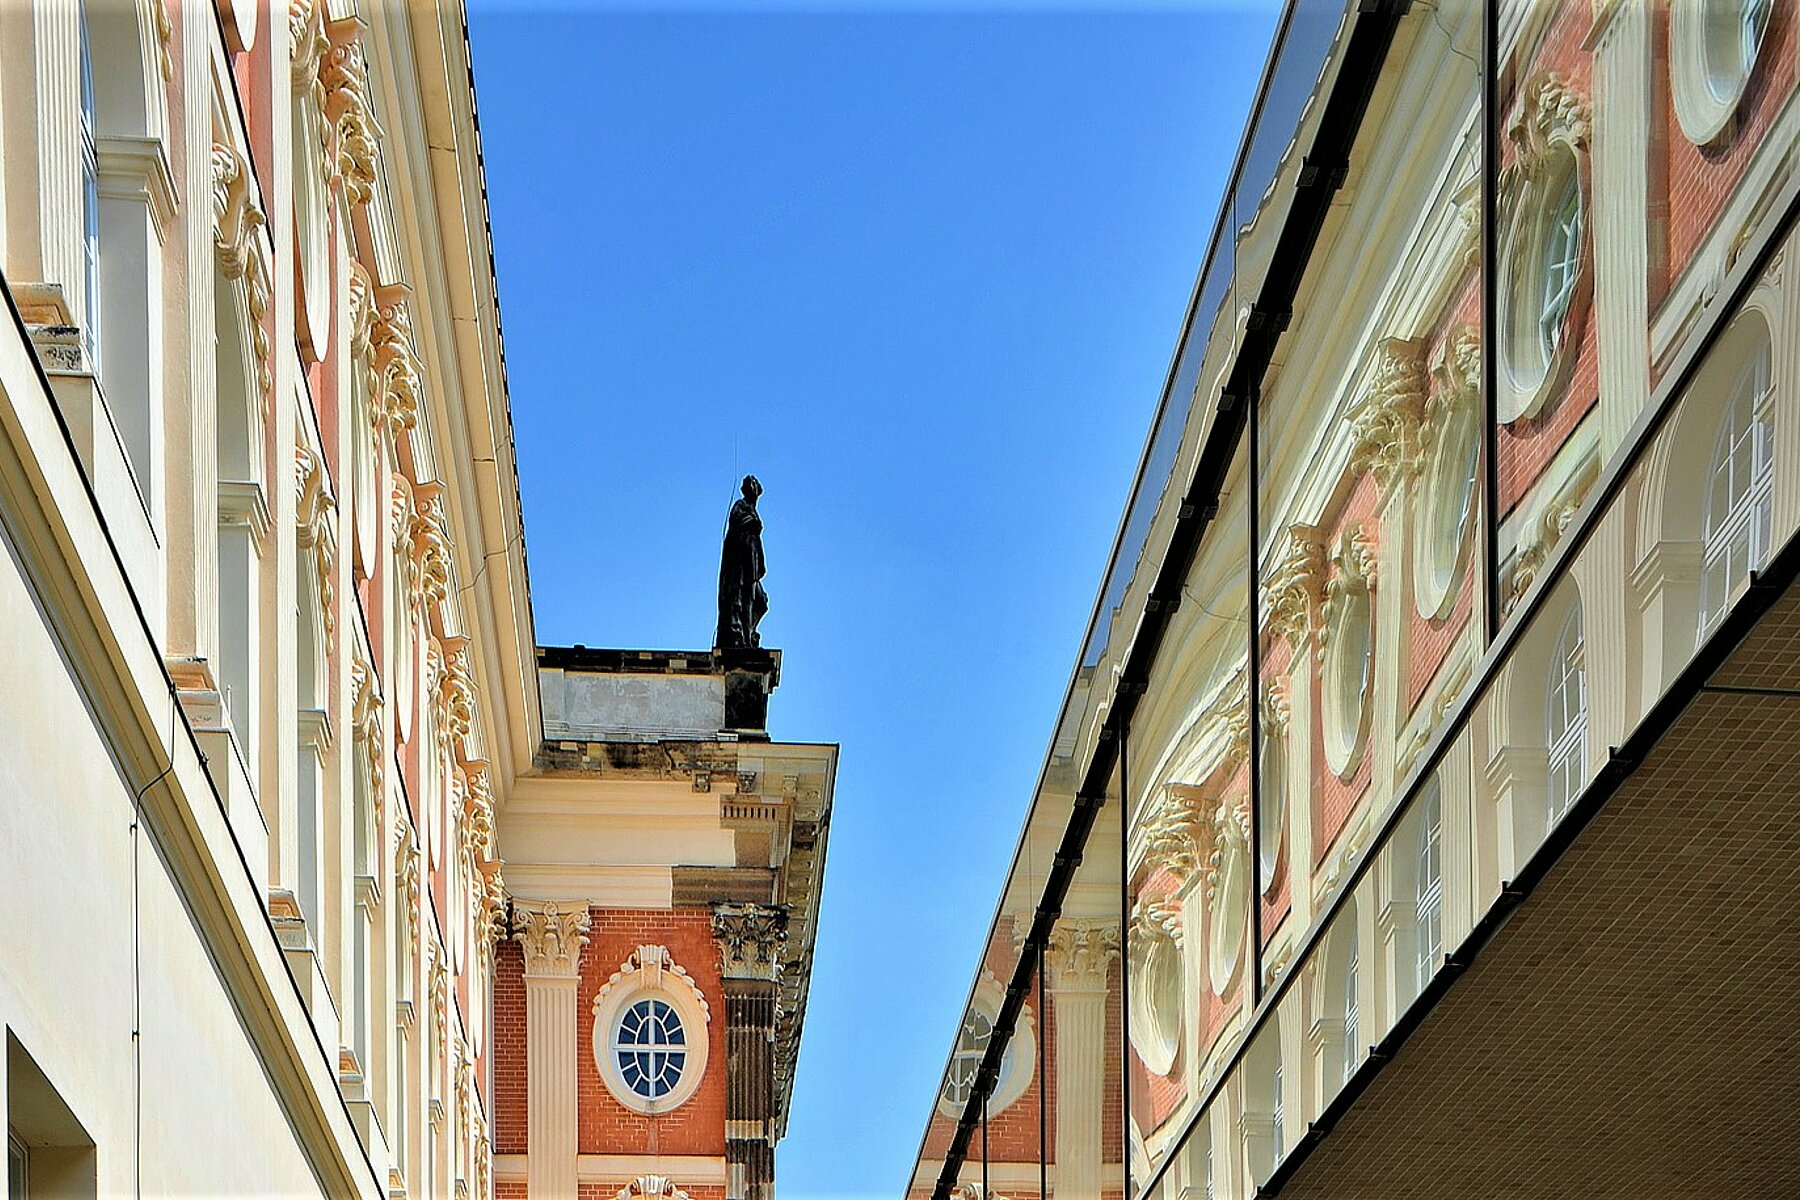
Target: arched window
x,y
1740,494
1429,901
1566,719
1352,1029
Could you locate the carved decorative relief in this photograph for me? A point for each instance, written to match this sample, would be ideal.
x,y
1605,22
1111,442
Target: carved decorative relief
x,y
314,508
1457,374
1354,577
1081,953
552,936
1230,835
397,379
237,236
366,720
344,74
651,1186
655,968
491,918
1296,589
1171,832
1541,537
750,938
1384,426
430,548
1551,113
406,876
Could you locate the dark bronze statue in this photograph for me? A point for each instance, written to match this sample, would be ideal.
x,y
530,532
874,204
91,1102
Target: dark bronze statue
x,y
742,601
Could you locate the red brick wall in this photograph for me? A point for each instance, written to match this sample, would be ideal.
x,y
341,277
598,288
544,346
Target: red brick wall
x,y
507,1047
510,1189
606,1126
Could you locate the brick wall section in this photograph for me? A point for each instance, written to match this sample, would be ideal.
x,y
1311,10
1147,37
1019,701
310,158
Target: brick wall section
x,y
507,1046
1154,1097
1700,179
606,1126
606,1191
511,1189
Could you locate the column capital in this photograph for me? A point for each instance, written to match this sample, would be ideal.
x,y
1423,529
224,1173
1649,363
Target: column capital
x,y
750,938
552,934
1082,954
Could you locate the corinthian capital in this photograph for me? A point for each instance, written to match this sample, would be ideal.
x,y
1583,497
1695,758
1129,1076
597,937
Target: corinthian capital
x,y
1384,427
552,935
1082,954
750,938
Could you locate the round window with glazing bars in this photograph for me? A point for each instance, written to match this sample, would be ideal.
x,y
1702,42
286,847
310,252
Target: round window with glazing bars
x,y
650,1047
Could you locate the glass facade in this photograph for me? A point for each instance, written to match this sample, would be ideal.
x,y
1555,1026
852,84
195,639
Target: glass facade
x,y
1470,455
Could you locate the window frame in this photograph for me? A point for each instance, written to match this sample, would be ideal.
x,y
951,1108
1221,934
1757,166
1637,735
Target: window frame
x,y
1749,515
1566,719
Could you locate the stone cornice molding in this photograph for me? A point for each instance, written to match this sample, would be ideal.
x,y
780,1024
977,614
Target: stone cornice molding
x,y
651,1186
1296,589
750,939
1384,426
237,237
1082,953
552,935
344,74
651,967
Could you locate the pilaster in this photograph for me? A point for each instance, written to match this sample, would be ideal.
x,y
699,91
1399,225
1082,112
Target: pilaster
x,y
750,938
551,935
1081,957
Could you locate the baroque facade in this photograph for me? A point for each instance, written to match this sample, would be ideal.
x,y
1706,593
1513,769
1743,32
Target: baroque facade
x,y
1426,777
285,819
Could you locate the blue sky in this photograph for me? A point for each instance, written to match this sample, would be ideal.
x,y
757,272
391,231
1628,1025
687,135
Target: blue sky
x,y
920,267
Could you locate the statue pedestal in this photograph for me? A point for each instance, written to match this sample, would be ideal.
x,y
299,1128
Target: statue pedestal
x,y
751,673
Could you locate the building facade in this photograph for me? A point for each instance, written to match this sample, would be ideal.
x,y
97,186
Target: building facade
x,y
291,860
1416,822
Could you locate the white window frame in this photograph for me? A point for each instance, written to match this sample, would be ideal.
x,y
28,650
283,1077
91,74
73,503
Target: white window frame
x,y
1714,49
659,1013
89,153
1017,1064
1743,529
651,974
1352,1002
1566,719
1428,907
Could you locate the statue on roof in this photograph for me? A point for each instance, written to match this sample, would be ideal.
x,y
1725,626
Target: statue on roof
x,y
742,601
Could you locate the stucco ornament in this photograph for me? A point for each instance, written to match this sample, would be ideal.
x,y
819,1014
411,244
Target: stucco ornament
x,y
366,721
653,968
243,256
314,508
1295,589
1082,953
750,938
406,876
651,1186
1171,832
398,383
345,76
552,936
1347,652
1384,425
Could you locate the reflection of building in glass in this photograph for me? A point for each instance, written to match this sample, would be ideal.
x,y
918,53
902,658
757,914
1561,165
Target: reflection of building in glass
x,y
321,878
1492,809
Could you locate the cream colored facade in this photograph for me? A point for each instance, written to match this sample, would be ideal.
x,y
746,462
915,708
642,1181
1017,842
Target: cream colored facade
x,y
269,663
1466,873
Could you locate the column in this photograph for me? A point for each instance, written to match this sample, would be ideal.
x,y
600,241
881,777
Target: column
x,y
1621,190
1081,958
552,935
750,938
